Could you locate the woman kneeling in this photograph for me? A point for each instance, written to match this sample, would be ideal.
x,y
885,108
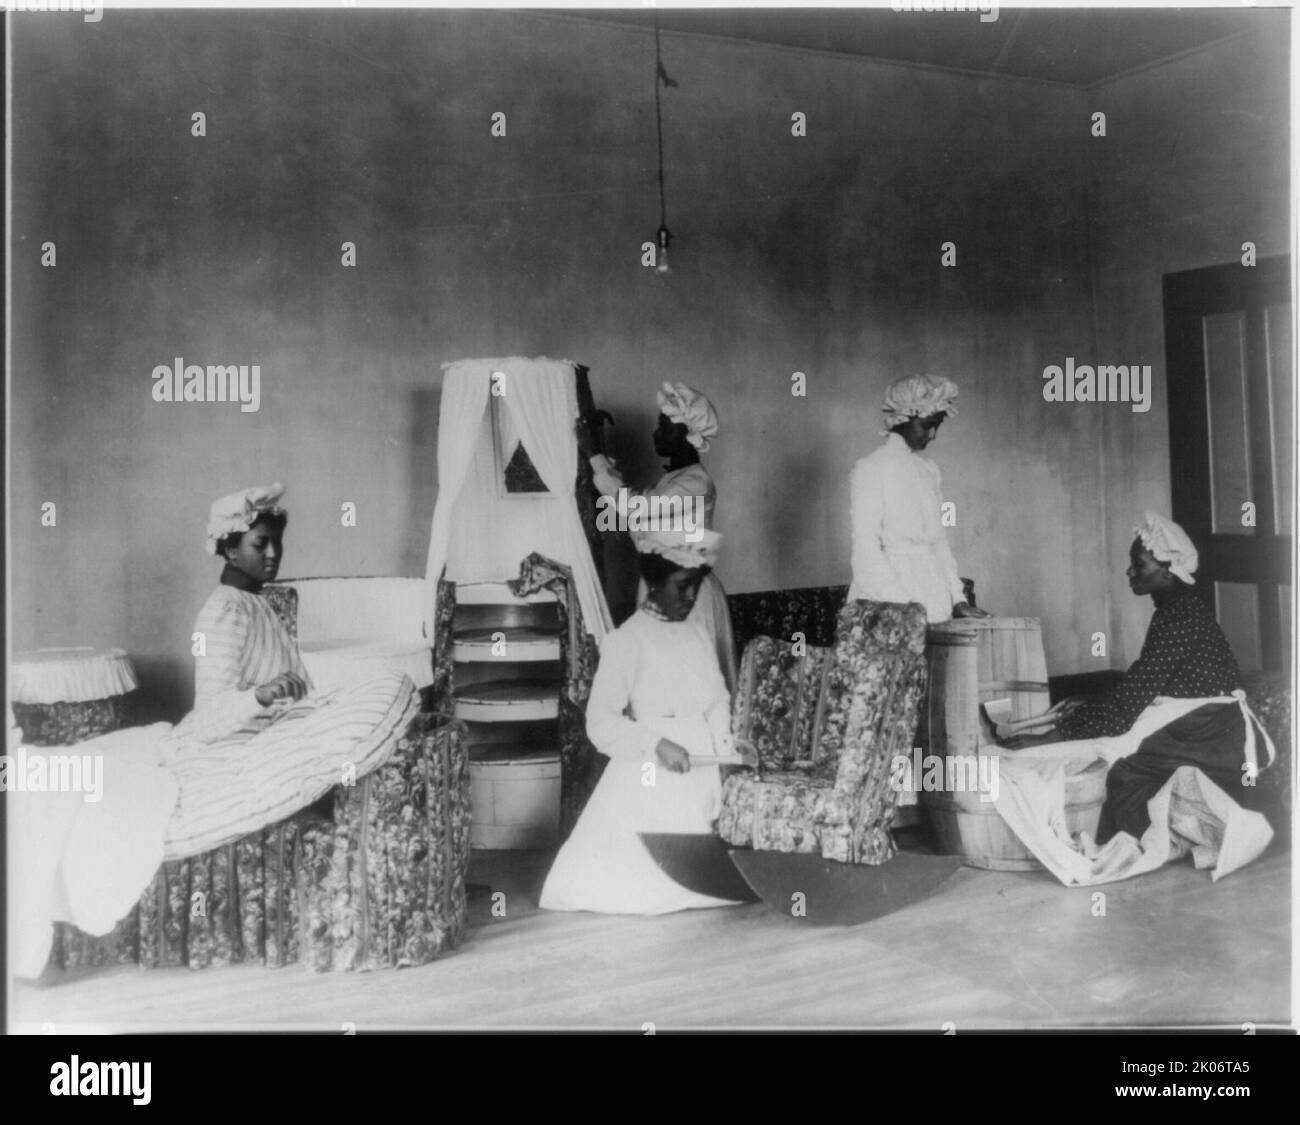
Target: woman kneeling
x,y
658,700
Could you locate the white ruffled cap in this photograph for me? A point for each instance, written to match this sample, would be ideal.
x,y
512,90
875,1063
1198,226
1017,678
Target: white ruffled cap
x,y
1170,544
680,403
918,396
674,546
236,513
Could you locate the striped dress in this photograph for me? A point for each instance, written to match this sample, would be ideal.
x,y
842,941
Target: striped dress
x,y
241,645
241,766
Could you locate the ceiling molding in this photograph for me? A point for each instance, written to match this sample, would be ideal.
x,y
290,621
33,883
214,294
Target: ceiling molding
x,y
1092,46
818,52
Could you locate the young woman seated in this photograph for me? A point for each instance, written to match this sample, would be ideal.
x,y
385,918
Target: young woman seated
x,y
1180,702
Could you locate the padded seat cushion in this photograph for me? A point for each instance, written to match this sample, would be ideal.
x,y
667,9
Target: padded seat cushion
x,y
778,812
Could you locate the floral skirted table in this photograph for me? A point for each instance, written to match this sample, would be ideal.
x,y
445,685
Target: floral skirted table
x,y
62,696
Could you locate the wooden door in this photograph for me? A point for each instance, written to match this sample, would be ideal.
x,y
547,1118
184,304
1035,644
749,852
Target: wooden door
x,y
1228,349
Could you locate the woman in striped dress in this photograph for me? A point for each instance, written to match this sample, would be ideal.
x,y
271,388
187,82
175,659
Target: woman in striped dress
x,y
258,738
245,659
257,748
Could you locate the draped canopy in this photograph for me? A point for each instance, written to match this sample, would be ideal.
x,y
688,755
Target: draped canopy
x,y
480,533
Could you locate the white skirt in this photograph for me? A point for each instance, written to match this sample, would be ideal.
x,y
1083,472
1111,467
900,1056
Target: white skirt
x,y
604,866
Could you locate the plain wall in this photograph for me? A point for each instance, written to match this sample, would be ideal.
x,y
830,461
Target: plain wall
x,y
818,254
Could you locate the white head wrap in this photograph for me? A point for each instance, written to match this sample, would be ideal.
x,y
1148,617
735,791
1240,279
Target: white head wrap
x,y
918,396
676,547
680,403
1170,544
238,512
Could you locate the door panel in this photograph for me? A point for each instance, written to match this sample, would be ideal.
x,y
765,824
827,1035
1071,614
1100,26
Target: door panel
x,y
1225,392
1237,606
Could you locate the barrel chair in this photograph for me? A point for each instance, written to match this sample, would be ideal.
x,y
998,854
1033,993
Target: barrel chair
x,y
826,725
370,876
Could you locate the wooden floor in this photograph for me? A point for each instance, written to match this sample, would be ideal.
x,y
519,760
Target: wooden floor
x,y
989,950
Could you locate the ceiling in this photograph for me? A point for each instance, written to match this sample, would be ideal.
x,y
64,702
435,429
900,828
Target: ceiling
x,y
1078,46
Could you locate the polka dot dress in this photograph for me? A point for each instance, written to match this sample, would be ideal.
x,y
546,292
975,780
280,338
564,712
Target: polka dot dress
x,y
1185,656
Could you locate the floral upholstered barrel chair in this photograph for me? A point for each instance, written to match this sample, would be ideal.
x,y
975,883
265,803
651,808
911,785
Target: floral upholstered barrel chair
x,y
826,725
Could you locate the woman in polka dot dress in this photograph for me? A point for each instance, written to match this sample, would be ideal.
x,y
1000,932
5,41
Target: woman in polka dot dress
x,y
1185,656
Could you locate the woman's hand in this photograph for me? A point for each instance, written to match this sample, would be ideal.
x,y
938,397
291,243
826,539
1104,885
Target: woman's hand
x,y
288,685
748,752
590,430
673,757
1067,707
965,609
586,440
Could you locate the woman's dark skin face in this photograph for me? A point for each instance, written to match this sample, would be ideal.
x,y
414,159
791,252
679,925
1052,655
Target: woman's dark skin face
x,y
675,595
919,432
1146,575
670,442
259,553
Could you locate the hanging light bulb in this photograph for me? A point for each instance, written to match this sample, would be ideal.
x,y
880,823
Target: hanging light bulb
x,y
662,237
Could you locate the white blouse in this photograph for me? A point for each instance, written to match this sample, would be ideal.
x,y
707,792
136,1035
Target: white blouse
x,y
900,551
658,679
690,482
242,645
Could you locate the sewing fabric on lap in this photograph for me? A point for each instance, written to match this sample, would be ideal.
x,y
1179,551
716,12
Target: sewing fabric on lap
x,y
270,768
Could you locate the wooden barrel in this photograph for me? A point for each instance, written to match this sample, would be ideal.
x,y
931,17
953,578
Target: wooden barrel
x,y
970,661
964,825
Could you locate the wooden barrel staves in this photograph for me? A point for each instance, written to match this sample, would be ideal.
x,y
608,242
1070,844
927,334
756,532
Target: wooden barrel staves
x,y
971,661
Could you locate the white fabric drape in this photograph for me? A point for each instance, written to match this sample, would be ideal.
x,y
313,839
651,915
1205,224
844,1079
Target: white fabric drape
x,y
1189,813
543,405
465,389
538,403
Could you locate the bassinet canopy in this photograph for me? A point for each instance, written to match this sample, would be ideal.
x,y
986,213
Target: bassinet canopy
x,y
480,531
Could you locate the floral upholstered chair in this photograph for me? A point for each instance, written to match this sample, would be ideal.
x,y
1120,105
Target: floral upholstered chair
x,y
826,725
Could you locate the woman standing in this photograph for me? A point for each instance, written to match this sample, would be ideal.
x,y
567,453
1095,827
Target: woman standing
x,y
687,421
900,552
657,702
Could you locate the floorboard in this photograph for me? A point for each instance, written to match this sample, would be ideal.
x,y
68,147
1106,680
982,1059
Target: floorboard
x,y
989,950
